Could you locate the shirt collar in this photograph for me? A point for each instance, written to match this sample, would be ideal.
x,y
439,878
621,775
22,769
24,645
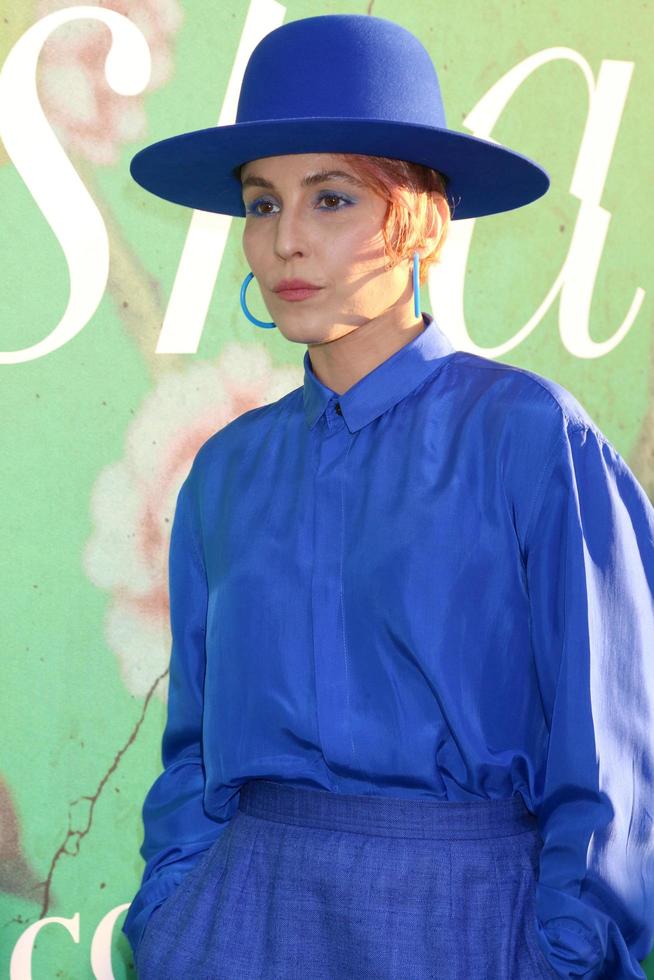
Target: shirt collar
x,y
385,385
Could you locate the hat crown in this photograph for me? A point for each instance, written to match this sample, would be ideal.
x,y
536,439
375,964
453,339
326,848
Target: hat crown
x,y
341,66
338,83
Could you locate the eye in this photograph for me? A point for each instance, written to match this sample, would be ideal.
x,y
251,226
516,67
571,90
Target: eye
x,y
333,197
324,196
253,208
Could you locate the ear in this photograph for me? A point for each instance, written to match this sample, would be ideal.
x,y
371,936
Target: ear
x,y
432,241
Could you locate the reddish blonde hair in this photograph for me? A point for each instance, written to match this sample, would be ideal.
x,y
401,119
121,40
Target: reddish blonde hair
x,y
412,216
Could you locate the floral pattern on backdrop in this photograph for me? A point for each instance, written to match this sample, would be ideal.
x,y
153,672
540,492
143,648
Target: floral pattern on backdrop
x,y
87,116
133,500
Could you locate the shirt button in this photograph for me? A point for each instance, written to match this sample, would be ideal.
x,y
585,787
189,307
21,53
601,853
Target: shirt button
x,y
338,409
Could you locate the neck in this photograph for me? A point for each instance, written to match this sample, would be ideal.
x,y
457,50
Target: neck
x,y
341,362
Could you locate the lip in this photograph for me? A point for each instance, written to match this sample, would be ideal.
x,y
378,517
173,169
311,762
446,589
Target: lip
x,y
297,294
286,284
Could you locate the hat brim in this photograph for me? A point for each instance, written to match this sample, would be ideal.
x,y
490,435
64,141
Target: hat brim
x,y
197,169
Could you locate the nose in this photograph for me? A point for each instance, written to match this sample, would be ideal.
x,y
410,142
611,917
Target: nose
x,y
291,232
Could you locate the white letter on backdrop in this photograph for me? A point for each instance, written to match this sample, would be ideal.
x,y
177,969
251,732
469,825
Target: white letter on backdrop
x,y
101,944
576,280
35,151
20,966
207,234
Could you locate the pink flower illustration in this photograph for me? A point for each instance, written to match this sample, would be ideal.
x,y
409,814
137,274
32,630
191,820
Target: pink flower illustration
x,y
84,111
133,500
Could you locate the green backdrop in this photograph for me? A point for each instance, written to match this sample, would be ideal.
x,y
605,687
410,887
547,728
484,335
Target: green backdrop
x,y
99,423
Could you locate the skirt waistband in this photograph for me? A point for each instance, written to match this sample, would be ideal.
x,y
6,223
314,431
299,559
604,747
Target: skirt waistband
x,y
385,816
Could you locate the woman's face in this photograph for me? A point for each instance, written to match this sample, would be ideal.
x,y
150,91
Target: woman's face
x,y
327,232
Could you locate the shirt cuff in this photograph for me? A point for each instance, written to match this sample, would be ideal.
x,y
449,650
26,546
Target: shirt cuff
x,y
569,950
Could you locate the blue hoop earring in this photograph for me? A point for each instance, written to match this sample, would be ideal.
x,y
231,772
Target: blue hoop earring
x,y
259,323
416,284
262,323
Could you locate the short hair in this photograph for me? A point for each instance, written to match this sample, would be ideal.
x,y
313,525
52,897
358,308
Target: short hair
x,y
412,216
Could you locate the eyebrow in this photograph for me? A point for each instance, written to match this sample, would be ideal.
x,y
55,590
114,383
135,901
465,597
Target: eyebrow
x,y
317,178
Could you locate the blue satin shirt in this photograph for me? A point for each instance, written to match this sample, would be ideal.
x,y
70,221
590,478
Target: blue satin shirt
x,y
437,585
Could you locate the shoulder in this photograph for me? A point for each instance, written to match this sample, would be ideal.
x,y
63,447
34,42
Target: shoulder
x,y
524,422
240,435
522,400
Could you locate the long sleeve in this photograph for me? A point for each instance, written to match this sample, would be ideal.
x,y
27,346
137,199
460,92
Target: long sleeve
x,y
589,563
177,829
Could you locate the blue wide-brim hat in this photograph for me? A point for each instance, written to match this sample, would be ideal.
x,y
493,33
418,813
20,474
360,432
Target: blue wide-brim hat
x,y
338,83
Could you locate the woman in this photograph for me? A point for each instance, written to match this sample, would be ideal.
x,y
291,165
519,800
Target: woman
x,y
411,686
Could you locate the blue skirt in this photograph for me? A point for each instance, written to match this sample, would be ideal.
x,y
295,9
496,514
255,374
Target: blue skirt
x,y
307,883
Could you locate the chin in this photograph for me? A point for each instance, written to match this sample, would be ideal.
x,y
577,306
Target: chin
x,y
300,330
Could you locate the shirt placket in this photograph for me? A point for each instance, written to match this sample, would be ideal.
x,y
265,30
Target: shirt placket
x,y
330,641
